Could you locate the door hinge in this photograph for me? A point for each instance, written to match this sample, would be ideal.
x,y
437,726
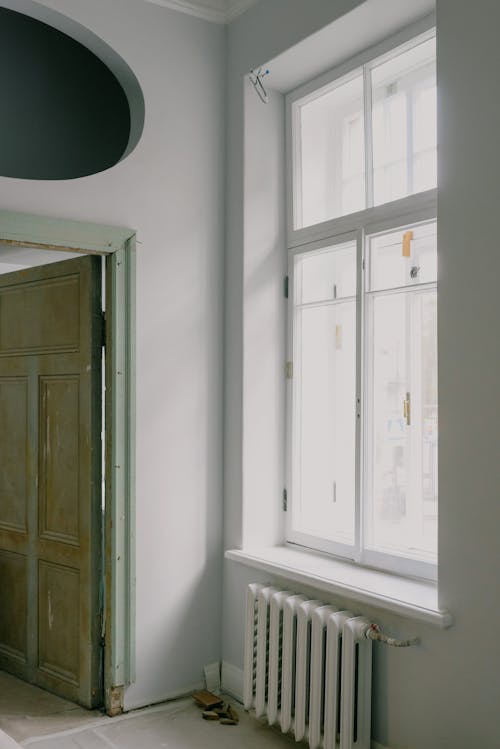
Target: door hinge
x,y
285,500
289,370
285,287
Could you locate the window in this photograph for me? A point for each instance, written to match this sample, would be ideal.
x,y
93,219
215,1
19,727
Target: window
x,y
403,94
362,456
366,138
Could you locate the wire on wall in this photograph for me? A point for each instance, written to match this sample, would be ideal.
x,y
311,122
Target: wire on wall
x,y
374,633
256,78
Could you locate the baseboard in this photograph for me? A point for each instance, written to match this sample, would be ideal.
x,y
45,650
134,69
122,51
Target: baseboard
x,y
165,697
232,680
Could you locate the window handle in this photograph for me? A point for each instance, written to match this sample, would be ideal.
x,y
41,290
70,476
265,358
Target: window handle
x,y
407,409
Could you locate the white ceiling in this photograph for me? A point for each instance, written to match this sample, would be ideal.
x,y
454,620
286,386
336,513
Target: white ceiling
x,y
218,11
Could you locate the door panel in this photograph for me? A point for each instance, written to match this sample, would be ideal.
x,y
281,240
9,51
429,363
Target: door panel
x,y
58,494
14,449
50,477
55,327
59,634
13,579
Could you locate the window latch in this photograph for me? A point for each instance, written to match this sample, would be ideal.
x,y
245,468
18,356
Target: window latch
x,y
407,409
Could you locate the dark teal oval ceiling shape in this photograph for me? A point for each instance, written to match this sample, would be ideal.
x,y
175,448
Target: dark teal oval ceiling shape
x,y
65,114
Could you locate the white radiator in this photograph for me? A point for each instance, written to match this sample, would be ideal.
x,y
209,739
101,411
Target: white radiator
x,y
308,668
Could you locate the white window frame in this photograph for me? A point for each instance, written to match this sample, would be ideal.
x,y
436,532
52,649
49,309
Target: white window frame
x,y
297,537
372,57
413,209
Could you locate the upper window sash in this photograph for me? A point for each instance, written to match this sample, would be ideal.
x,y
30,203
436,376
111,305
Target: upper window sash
x,y
361,64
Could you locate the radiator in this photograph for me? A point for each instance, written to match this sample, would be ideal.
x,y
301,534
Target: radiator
x,y
308,668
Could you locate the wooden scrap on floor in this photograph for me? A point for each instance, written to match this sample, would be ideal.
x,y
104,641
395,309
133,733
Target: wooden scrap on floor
x,y
206,699
214,708
210,715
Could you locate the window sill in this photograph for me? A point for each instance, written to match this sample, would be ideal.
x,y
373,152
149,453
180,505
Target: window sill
x,y
415,599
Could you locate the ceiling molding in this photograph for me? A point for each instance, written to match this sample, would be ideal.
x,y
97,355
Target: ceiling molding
x,y
208,13
216,11
237,7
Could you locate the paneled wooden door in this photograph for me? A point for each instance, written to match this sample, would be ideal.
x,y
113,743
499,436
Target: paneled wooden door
x,y
50,477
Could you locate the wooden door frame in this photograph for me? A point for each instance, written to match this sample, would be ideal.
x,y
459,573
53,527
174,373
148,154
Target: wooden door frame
x,y
118,245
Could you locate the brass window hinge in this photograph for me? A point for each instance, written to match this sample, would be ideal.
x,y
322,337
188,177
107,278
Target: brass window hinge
x,y
407,409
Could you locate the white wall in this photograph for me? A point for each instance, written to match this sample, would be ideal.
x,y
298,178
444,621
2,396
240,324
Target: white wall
x,y
171,190
264,321
445,693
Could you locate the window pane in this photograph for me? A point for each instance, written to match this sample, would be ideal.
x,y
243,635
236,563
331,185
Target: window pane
x,y
329,173
401,512
326,275
428,374
425,137
324,391
388,449
404,123
406,257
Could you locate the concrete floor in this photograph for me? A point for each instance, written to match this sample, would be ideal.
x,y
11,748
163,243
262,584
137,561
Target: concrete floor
x,y
35,718
26,711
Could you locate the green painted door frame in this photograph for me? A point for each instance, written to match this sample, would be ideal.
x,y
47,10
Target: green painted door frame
x,y
118,245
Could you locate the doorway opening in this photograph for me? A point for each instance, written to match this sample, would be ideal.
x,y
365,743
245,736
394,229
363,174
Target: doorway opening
x,y
38,242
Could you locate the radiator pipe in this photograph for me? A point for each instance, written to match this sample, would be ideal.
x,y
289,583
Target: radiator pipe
x,y
373,633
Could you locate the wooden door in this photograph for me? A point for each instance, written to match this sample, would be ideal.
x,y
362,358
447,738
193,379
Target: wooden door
x,y
50,477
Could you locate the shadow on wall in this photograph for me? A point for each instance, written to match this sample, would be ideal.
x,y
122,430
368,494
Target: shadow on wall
x,y
65,112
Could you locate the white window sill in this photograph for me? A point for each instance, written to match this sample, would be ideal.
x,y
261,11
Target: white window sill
x,y
415,599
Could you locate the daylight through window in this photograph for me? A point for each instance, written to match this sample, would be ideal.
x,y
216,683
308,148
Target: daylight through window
x,y
363,313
